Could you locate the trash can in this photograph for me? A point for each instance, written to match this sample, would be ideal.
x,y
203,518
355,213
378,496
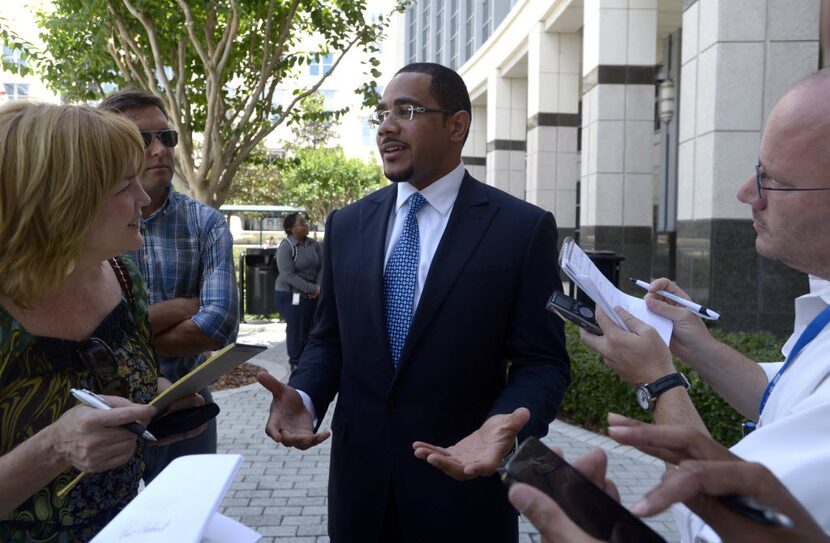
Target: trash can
x,y
608,263
259,280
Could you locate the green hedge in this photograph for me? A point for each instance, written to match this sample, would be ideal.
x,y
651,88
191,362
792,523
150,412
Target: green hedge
x,y
595,389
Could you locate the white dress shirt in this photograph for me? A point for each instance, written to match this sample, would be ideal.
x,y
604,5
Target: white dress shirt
x,y
432,221
793,435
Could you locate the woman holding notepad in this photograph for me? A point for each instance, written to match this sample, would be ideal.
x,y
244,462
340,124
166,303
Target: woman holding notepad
x,y
73,315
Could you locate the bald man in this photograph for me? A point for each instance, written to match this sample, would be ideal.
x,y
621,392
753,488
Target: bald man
x,y
789,193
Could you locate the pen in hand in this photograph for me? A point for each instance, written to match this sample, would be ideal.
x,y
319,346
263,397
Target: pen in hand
x,y
91,399
751,508
697,309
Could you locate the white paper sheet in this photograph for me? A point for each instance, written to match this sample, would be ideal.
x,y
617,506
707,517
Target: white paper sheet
x,y
578,266
222,529
177,505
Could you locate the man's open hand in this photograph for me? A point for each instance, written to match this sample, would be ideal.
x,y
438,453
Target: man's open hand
x,y
289,422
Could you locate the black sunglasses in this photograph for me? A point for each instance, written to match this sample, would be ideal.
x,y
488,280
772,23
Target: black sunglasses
x,y
168,138
101,361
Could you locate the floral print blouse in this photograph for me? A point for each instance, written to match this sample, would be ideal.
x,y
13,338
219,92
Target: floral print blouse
x,y
36,374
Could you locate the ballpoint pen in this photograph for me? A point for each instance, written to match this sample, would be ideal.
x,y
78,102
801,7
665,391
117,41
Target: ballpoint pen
x,y
91,399
697,309
751,508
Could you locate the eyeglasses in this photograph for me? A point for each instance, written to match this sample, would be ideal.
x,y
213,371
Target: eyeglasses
x,y
400,113
101,361
760,174
168,138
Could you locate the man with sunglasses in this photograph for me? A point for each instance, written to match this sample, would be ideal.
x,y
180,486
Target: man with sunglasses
x,y
187,262
788,403
431,329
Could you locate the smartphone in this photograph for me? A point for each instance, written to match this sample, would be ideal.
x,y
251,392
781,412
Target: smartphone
x,y
573,310
597,513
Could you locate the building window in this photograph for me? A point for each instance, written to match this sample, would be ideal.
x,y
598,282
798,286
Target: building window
x,y
328,99
425,30
439,32
486,20
453,34
412,27
469,29
368,132
321,65
15,91
14,56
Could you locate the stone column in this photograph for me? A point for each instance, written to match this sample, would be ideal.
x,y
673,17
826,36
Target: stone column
x,y
474,153
553,123
738,57
619,53
506,133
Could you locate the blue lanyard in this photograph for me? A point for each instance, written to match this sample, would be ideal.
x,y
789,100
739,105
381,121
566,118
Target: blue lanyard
x,y
808,335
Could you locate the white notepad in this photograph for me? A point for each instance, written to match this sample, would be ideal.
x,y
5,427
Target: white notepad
x,y
579,268
180,504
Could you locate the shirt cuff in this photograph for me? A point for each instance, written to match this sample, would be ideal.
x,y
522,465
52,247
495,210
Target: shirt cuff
x,y
308,407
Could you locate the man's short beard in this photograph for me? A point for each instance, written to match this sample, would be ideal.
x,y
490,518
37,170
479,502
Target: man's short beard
x,y
406,175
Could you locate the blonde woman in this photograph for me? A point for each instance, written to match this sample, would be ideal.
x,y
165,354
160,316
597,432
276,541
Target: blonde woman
x,y
72,315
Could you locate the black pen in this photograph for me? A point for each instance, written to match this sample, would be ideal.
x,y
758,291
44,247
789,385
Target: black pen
x,y
751,508
93,400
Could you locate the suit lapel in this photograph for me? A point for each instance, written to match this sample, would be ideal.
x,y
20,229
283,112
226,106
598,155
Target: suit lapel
x,y
470,217
374,221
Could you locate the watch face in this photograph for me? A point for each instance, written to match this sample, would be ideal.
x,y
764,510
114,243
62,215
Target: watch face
x,y
643,398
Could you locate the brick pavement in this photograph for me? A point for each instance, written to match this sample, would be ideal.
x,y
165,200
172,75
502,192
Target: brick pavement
x,y
282,492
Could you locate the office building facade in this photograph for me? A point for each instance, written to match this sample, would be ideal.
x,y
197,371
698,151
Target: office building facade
x,y
634,122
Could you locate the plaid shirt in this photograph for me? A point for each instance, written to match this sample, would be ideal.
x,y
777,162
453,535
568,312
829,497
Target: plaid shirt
x,y
188,252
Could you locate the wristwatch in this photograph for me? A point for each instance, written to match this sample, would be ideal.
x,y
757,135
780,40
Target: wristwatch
x,y
647,394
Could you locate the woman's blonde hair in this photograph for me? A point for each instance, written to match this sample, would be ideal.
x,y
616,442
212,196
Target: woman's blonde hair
x,y
58,163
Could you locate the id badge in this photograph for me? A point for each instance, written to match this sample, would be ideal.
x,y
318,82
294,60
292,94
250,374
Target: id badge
x,y
295,299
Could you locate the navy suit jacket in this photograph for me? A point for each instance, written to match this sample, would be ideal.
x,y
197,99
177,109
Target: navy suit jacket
x,y
481,312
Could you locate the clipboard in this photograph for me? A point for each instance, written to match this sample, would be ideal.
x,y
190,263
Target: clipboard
x,y
221,362
584,273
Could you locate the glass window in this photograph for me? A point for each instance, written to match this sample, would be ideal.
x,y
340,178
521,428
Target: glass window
x,y
321,66
439,33
368,132
486,20
453,34
425,30
15,91
469,28
412,28
13,56
328,99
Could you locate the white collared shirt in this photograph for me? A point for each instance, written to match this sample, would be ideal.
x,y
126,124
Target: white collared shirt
x,y
793,436
432,220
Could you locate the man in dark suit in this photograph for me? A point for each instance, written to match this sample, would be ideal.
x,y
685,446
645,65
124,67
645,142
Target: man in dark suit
x,y
441,357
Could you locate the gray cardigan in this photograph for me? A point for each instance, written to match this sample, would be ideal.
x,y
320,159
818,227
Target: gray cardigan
x,y
303,273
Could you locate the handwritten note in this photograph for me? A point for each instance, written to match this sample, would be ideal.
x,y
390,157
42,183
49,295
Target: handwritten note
x,y
178,505
579,268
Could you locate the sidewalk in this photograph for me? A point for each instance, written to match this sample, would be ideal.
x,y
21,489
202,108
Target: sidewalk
x,y
281,492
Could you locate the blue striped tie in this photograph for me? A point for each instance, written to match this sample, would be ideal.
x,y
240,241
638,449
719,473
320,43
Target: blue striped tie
x,y
399,280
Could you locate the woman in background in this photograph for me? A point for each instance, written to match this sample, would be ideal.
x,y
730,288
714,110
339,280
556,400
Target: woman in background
x,y
299,261
72,315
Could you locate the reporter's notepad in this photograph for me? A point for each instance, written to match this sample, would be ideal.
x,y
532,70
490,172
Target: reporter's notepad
x,y
179,505
579,268
222,362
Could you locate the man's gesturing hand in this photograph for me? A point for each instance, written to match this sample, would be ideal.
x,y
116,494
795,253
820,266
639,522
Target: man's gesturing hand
x,y
289,422
480,453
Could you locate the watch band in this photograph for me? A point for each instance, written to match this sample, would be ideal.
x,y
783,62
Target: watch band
x,y
647,394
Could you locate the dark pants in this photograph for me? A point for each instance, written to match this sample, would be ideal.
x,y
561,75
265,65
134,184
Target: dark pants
x,y
298,322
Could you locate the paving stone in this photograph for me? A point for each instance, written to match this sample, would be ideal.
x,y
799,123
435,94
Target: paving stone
x,y
282,493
